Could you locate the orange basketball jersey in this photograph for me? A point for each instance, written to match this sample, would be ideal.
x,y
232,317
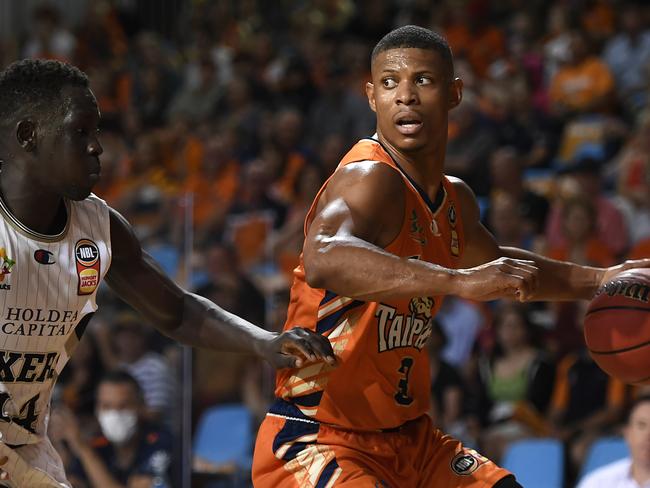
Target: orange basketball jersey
x,y
382,377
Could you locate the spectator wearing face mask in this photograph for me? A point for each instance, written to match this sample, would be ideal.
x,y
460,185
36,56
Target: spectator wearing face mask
x,y
129,451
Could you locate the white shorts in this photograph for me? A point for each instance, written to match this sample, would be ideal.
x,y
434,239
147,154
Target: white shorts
x,y
33,466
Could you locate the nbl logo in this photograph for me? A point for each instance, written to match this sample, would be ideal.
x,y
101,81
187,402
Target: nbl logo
x,y
87,256
87,252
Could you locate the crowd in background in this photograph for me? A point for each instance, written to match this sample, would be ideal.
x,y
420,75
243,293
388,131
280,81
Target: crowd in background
x,y
220,130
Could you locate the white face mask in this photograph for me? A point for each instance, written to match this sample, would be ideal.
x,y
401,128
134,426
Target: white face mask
x,y
118,426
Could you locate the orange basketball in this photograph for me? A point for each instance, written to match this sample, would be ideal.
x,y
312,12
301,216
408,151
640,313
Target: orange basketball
x,y
617,327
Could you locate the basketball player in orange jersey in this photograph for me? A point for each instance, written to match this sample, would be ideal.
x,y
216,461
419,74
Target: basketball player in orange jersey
x,y
387,237
57,242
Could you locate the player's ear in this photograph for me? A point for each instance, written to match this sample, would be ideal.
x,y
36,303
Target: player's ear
x,y
455,92
370,92
26,134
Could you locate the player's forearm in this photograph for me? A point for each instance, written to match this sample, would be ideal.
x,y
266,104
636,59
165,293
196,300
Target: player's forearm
x,y
206,325
356,269
560,280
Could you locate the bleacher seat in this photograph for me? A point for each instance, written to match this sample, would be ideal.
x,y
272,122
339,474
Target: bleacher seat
x,y
604,451
537,463
224,436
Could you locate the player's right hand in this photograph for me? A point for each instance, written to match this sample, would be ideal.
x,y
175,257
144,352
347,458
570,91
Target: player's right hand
x,y
501,278
295,347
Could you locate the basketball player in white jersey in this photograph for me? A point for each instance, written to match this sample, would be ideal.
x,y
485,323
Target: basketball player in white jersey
x,y
57,242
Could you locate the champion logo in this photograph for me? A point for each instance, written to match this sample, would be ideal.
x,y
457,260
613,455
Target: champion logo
x,y
44,257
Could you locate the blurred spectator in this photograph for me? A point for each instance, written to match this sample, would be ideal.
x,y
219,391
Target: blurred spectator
x,y
469,142
79,380
586,403
461,322
127,345
472,36
253,214
196,102
129,452
581,242
584,180
633,471
340,110
49,40
583,84
628,57
515,382
286,242
506,176
446,387
285,153
633,167
151,85
508,224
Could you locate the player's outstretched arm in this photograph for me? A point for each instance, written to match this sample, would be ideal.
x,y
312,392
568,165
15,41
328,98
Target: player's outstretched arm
x,y
556,280
359,214
194,320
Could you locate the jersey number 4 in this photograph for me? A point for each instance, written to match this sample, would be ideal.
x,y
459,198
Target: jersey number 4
x,y
402,396
26,418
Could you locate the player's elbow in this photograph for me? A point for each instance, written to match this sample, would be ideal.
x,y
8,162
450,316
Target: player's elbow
x,y
316,270
315,273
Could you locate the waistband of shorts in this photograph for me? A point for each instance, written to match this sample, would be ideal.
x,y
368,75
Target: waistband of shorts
x,y
287,410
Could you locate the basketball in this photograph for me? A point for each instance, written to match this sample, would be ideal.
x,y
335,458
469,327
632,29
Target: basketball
x,y
617,327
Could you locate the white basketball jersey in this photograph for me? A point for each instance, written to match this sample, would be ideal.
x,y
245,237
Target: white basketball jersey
x,y
47,296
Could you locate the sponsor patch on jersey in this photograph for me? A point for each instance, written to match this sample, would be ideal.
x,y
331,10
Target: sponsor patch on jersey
x,y
466,462
88,266
6,263
453,219
44,257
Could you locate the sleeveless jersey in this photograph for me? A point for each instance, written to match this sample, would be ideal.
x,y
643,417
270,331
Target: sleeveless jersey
x,y
47,297
382,379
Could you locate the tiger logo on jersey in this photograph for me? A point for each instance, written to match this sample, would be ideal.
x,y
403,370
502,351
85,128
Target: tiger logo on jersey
x,y
6,263
88,265
421,306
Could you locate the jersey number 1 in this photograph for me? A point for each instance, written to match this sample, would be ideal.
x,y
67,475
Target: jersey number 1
x,y
402,396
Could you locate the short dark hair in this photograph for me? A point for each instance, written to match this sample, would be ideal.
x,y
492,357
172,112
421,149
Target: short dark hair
x,y
413,36
37,84
644,398
121,377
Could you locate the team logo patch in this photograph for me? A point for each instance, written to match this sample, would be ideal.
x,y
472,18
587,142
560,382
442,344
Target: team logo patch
x,y
6,263
454,245
88,266
44,257
466,462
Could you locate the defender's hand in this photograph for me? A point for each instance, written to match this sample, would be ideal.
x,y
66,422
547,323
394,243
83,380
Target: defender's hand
x,y
501,278
609,273
295,347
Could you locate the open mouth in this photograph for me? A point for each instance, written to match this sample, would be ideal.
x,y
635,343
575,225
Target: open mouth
x,y
408,124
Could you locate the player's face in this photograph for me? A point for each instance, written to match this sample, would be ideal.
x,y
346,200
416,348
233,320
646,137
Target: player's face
x,y
637,434
411,92
68,151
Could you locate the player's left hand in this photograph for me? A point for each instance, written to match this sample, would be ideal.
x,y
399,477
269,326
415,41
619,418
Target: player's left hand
x,y
619,268
293,348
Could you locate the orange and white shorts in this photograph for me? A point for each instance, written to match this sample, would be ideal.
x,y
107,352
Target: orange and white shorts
x,y
292,451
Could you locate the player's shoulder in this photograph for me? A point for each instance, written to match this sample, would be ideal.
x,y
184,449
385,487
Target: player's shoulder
x,y
93,201
376,176
465,197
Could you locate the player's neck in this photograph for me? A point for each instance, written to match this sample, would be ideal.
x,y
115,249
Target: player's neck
x,y
425,167
36,209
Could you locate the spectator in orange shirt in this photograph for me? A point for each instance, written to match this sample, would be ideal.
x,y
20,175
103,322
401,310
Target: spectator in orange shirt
x,y
585,182
471,35
584,84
